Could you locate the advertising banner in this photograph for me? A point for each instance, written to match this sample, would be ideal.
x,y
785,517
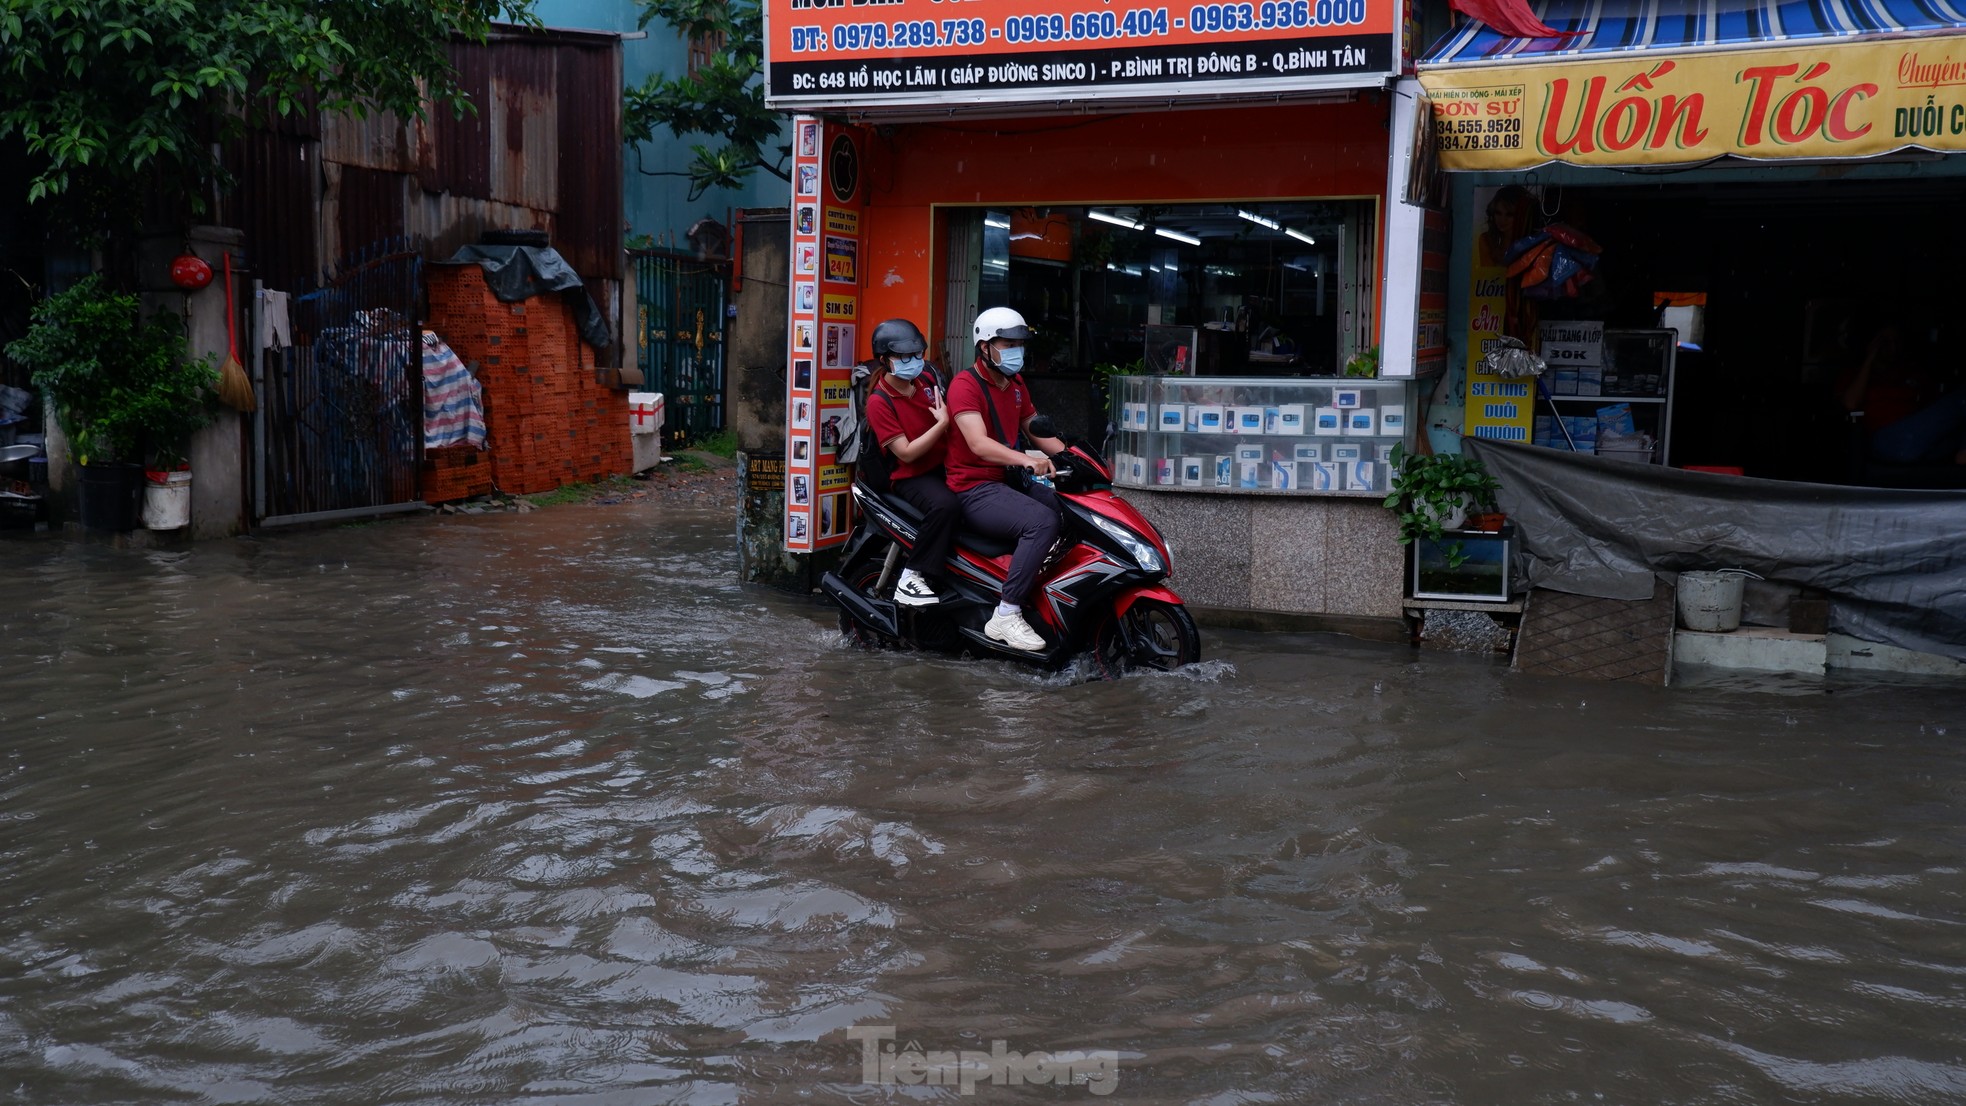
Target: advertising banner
x,y
1497,407
1800,100
824,54
824,306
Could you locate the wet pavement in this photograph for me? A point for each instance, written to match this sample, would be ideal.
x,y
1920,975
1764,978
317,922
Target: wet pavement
x,y
546,808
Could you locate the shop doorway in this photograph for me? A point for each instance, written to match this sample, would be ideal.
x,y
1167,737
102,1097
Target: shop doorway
x,y
1799,278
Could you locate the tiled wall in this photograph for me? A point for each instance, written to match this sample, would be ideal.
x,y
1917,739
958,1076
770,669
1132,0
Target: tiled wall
x,y
1292,554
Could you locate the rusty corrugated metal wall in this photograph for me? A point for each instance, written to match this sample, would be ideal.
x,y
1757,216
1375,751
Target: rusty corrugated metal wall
x,y
542,152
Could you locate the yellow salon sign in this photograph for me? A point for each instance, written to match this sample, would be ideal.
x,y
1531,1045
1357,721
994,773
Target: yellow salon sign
x,y
1833,100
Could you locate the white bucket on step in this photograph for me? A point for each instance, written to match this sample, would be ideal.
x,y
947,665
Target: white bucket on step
x,y
1710,602
166,500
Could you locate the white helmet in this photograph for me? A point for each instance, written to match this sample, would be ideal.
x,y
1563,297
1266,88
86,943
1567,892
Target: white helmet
x,y
1000,322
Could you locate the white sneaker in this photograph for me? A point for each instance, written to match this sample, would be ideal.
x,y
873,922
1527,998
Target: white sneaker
x,y
914,591
1012,630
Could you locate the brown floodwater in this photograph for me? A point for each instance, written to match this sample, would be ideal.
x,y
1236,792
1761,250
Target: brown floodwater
x,y
547,808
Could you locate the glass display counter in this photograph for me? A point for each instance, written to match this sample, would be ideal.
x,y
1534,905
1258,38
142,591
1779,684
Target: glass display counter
x,y
1309,436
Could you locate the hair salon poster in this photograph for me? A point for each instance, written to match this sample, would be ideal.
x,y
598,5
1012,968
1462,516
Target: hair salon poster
x,y
824,307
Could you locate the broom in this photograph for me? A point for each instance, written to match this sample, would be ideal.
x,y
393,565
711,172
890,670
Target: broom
x,y
234,389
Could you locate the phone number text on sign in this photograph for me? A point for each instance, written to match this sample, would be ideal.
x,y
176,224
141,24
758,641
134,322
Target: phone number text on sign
x,y
1479,134
1134,23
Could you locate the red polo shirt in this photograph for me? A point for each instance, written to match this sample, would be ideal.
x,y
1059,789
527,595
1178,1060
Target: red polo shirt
x,y
1013,404
909,417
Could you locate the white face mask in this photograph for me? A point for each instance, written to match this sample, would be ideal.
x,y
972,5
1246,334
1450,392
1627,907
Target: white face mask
x,y
1010,362
906,368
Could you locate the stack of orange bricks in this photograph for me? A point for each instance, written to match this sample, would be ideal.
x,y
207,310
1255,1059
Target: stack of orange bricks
x,y
549,421
455,472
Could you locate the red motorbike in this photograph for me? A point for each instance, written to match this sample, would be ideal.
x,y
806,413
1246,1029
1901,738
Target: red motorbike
x,y
1101,590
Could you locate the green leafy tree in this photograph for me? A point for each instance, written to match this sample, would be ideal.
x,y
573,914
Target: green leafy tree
x,y
725,97
124,386
112,98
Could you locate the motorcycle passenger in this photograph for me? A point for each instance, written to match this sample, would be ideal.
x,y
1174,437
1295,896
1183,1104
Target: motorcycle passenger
x,y
991,406
907,418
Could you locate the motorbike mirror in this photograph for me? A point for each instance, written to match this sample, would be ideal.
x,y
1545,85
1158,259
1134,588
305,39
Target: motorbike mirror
x,y
1042,427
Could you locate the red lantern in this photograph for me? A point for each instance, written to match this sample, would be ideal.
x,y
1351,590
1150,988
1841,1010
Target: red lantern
x,y
189,272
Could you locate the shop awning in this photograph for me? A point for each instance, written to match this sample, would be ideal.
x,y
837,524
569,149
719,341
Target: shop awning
x,y
1639,27
1677,82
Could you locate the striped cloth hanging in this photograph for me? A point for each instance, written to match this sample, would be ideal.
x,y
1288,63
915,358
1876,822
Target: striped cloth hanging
x,y
453,404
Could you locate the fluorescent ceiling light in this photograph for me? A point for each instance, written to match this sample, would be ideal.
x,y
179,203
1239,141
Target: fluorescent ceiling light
x,y
1117,220
1000,224
1300,236
1177,236
1259,220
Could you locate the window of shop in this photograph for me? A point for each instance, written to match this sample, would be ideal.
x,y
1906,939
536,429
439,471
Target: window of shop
x,y
1270,288
1801,283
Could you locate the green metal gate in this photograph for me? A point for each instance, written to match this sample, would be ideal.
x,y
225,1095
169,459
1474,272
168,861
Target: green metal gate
x,y
681,316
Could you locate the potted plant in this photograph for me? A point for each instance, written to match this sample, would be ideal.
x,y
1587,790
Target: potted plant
x,y
123,388
1363,363
1434,492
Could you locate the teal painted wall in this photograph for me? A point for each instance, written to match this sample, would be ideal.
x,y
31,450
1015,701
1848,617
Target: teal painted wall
x,y
657,205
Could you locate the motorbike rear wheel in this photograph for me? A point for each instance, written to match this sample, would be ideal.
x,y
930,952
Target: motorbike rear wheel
x,y
1153,633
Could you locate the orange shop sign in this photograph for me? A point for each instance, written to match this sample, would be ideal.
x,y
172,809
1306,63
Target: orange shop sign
x,y
832,53
1839,100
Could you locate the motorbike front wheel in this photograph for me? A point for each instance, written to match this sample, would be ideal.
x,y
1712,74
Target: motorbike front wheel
x,y
863,582
1153,633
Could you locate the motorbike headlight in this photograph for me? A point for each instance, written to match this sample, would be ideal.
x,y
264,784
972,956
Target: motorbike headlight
x,y
1143,554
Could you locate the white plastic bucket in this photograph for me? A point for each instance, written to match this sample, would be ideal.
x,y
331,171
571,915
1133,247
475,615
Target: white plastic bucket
x,y
1710,602
166,500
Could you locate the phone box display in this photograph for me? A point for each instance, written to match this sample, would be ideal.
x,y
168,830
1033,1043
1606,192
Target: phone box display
x,y
1279,435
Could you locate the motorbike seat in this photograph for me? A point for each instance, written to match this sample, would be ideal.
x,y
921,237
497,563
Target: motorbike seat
x,y
988,545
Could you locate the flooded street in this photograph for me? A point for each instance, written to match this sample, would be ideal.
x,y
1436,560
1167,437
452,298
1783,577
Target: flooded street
x,y
547,808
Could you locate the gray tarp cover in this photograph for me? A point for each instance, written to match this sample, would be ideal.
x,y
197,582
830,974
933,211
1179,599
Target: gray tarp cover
x,y
1893,561
515,273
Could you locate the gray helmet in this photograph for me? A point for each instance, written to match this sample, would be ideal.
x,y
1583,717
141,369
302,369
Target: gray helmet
x,y
898,338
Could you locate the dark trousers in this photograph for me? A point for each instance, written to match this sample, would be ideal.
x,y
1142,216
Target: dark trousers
x,y
1933,436
941,511
1030,516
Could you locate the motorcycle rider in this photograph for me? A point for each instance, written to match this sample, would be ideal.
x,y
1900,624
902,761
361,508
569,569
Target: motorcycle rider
x,y
906,417
990,406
